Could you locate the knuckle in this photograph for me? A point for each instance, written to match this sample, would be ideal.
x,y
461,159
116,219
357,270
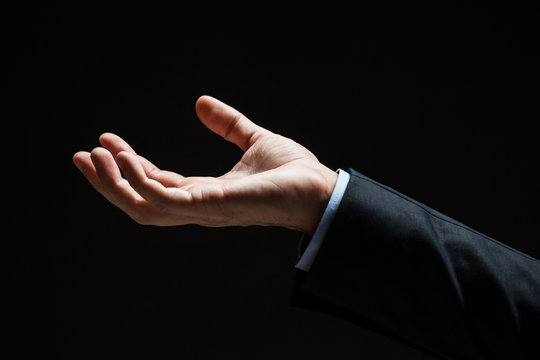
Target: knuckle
x,y
231,126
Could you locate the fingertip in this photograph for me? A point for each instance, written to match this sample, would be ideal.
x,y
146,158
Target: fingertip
x,y
204,99
125,158
105,136
108,139
203,105
122,158
124,154
99,157
226,121
83,162
97,152
213,113
79,157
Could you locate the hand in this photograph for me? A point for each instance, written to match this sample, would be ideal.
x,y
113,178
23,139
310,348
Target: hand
x,y
277,182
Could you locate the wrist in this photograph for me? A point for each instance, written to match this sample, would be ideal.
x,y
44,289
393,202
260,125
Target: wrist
x,y
323,189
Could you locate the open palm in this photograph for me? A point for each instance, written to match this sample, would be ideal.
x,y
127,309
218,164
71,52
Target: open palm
x,y
276,182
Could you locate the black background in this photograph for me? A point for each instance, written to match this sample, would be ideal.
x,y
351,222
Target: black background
x,y
439,102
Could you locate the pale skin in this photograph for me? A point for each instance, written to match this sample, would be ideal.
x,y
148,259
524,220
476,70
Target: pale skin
x,y
277,182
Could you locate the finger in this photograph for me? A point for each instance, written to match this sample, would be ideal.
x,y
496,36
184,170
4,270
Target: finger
x,y
166,178
83,162
228,122
106,167
115,188
115,144
120,193
150,189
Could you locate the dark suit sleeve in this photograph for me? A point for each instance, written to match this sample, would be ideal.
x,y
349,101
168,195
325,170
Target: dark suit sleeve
x,y
411,273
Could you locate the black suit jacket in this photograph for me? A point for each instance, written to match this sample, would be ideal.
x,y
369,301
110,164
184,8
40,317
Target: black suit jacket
x,y
409,272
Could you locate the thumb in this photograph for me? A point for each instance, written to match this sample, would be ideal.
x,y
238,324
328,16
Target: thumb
x,y
228,122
